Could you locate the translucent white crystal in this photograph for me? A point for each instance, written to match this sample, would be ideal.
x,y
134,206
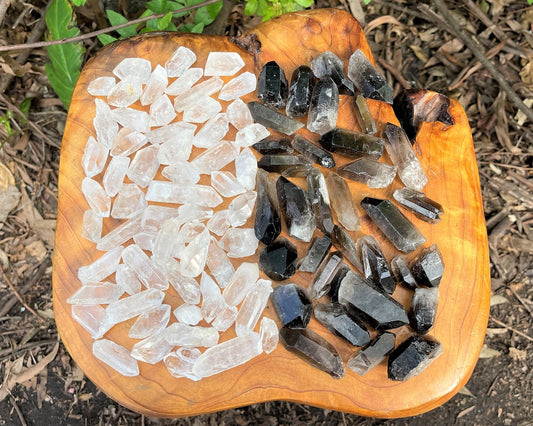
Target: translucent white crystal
x,y
194,255
190,230
238,114
134,67
105,126
239,86
166,241
246,168
101,86
223,63
187,288
181,172
127,279
96,294
251,134
243,280
228,354
91,226
161,111
132,119
189,212
136,304
219,223
191,335
180,61
226,184
212,131
206,109
102,267
168,192
175,131
155,86
94,157
216,157
89,317
195,93
268,330
252,307
127,142
219,264
154,216
129,202
225,318
116,356
180,363
150,323
125,93
178,148
145,240
188,314
144,166
143,266
322,116
241,208
152,349
239,242
185,82
96,197
115,174
212,301
120,234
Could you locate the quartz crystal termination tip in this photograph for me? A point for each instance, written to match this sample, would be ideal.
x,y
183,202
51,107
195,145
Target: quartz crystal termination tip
x,y
324,108
300,91
330,64
292,305
272,86
367,79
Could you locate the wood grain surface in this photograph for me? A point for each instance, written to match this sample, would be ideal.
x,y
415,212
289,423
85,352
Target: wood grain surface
x,y
447,155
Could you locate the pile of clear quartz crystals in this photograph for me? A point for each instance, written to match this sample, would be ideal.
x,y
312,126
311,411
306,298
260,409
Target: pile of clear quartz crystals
x,y
139,169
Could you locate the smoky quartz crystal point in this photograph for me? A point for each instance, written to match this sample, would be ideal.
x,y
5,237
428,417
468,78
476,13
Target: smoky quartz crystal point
x,y
313,152
374,307
366,359
314,349
375,266
364,116
272,119
317,251
397,228
330,64
300,90
367,79
415,201
333,292
428,267
292,305
403,274
325,274
423,309
319,198
412,357
267,221
352,144
296,210
272,87
278,260
324,108
273,146
279,162
337,320
370,172
345,243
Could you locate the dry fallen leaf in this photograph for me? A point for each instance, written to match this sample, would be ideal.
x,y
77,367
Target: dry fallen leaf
x,y
487,352
496,299
517,354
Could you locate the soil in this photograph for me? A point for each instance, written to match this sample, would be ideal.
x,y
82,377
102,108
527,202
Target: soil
x,y
416,49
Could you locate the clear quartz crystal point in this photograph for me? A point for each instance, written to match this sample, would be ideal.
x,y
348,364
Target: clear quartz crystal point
x,y
194,255
102,267
101,86
200,113
144,267
219,264
238,114
144,166
105,126
116,356
150,322
91,226
155,86
241,208
96,294
127,279
152,349
134,67
226,184
180,363
367,79
175,132
166,242
145,240
120,234
136,304
127,142
223,63
161,111
225,318
239,242
195,212
252,307
187,288
239,86
370,172
179,334
322,116
212,301
94,157
115,174
219,223
180,61
251,134
188,314
269,333
132,119
176,149
403,156
184,82
197,92
216,157
129,202
212,131
241,283
125,93
96,197
228,354
89,317
343,203
154,216
246,168
181,171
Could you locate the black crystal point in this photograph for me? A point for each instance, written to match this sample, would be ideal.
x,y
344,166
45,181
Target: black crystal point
x,y
328,63
337,320
428,267
267,223
314,153
300,91
315,254
273,146
333,292
367,79
376,308
412,357
278,260
292,305
352,144
296,209
272,119
319,197
390,220
366,359
415,201
401,271
375,266
423,309
272,87
413,106
314,349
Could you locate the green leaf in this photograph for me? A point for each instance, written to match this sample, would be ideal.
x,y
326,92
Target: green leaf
x,y
162,23
251,7
368,1
25,105
207,14
157,6
530,2
65,59
117,19
79,2
105,39
305,3
198,28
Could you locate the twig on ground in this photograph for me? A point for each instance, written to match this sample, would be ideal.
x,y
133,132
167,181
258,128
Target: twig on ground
x,y
17,409
99,32
395,72
522,301
514,330
29,345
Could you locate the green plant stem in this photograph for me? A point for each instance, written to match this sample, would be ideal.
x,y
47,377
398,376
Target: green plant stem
x,y
99,32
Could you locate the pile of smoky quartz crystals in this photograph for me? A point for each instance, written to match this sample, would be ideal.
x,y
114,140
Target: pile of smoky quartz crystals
x,y
301,189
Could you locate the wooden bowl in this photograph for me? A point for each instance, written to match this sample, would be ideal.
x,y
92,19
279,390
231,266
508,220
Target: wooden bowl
x,y
447,155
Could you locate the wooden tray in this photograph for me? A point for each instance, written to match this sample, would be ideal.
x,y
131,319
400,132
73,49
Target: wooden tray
x,y
447,155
